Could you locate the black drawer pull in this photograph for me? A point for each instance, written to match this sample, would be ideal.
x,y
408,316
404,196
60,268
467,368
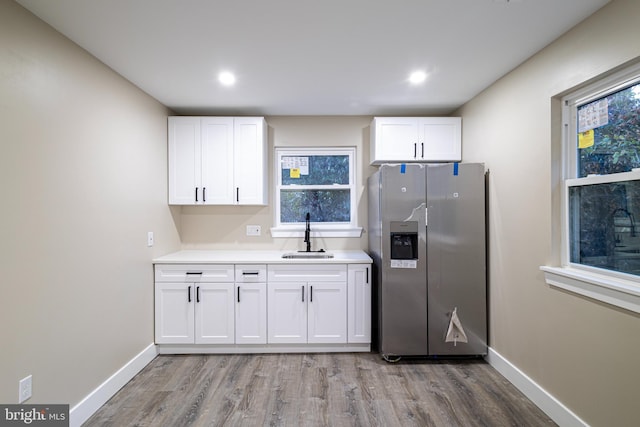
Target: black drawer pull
x,y
194,273
250,273
198,294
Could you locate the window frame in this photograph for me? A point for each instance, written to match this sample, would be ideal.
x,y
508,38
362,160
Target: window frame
x,y
609,286
318,229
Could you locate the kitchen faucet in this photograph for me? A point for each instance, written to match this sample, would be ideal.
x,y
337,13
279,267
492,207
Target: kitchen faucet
x,y
307,232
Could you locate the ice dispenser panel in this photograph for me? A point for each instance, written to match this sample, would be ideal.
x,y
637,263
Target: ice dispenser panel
x,y
404,239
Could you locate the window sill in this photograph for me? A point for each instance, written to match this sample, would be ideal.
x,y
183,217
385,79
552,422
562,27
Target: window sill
x,y
280,232
615,291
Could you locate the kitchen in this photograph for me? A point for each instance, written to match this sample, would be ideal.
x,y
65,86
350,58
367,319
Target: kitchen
x,y
77,290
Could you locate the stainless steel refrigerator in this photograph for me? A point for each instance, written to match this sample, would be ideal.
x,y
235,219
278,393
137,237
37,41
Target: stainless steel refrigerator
x,y
427,239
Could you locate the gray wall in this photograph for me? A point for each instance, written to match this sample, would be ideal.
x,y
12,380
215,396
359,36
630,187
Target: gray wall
x,y
83,178
583,352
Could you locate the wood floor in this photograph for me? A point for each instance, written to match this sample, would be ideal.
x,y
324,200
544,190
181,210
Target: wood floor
x,y
316,390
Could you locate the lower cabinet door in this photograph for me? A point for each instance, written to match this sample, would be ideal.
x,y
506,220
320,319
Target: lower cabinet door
x,y
214,313
287,312
327,316
359,304
174,310
251,313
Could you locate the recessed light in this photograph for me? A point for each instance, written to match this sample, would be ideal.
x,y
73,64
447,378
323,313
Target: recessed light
x,y
226,78
417,77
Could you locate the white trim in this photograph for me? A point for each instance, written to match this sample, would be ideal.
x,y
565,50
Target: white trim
x,y
98,397
551,406
280,152
324,232
601,287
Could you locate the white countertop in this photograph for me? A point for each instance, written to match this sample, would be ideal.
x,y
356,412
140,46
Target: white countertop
x,y
257,257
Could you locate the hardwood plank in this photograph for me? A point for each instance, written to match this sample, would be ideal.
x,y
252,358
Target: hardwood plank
x,y
333,389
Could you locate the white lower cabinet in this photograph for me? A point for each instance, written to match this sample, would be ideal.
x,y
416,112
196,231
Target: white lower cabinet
x,y
194,304
307,304
287,313
359,303
327,313
214,313
251,304
231,306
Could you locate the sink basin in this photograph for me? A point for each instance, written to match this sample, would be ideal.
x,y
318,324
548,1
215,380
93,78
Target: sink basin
x,y
307,255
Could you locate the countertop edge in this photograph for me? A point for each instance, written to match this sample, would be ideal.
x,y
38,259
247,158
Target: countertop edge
x,y
258,257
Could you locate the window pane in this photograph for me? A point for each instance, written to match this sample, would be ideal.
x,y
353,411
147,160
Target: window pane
x,y
323,205
609,133
602,230
315,170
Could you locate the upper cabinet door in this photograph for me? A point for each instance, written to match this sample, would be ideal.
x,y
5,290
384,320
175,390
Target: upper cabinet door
x,y
394,139
415,139
217,160
250,161
184,160
442,138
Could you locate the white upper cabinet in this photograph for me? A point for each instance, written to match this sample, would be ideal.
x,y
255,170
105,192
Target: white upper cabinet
x,y
217,161
415,139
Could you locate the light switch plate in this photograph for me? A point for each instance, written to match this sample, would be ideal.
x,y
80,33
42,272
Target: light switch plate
x,y
150,238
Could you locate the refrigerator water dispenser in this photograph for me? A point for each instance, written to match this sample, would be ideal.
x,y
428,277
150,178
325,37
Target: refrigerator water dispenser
x,y
404,239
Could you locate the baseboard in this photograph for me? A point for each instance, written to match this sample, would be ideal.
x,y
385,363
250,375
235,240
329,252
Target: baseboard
x,y
551,406
98,397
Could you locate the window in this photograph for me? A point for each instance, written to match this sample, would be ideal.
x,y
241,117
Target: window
x,y
601,197
320,182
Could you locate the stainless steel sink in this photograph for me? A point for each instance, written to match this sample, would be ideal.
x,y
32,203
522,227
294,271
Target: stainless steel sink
x,y
307,255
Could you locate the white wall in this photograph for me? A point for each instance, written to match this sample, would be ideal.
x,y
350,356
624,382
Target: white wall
x,y
83,178
583,352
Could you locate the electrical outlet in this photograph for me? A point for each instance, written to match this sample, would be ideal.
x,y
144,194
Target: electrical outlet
x,y
253,230
150,238
24,389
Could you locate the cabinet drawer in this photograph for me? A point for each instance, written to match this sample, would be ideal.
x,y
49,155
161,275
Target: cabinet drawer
x,y
307,273
183,273
251,273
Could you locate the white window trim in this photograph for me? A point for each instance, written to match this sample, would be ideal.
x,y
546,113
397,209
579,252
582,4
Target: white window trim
x,y
617,289
317,230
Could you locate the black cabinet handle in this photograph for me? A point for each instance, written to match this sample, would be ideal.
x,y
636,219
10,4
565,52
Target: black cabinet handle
x,y
194,273
422,144
198,294
196,194
367,274
238,194
238,293
311,294
302,293
189,294
250,273
415,151
204,194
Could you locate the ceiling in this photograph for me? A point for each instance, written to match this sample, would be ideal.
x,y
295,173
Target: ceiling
x,y
312,57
